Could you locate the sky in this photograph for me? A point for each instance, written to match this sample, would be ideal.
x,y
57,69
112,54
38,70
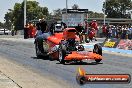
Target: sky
x,y
92,5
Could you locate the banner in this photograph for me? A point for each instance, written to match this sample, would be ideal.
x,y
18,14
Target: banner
x,y
111,43
77,10
73,19
83,78
125,44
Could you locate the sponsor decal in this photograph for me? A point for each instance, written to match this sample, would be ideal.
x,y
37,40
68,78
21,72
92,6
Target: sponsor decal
x,y
109,44
83,78
125,44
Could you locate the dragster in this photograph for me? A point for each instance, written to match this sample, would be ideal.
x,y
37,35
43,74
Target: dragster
x,y
64,46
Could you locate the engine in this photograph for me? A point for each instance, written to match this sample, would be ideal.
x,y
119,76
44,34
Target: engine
x,y
71,45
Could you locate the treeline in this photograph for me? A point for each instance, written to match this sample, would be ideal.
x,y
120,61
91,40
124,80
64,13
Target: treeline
x,y
14,18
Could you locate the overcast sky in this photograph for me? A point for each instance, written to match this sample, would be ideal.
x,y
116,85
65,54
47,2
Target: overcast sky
x,y
93,5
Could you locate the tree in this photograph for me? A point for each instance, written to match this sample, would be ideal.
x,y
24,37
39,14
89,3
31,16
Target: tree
x,y
57,14
1,25
92,14
75,6
8,20
16,16
117,8
34,11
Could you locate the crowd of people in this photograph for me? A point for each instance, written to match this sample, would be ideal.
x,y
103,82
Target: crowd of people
x,y
118,31
89,31
29,30
92,30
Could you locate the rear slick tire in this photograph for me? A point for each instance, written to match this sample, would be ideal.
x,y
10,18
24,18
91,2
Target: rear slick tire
x,y
37,50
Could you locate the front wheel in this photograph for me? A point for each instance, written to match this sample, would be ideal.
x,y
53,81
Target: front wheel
x,y
98,50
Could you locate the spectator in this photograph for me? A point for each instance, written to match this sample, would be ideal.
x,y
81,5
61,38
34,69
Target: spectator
x,y
124,32
26,29
95,26
104,30
118,32
38,27
130,32
91,34
80,31
31,28
43,36
109,32
43,25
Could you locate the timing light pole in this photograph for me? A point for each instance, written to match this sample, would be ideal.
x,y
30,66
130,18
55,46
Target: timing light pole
x,y
66,6
66,10
25,3
104,12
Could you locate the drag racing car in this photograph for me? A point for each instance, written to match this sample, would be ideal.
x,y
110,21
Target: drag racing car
x,y
64,46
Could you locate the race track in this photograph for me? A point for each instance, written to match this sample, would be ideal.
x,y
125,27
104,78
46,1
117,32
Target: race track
x,y
23,53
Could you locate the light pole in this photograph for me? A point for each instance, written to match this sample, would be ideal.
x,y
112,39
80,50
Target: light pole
x,y
104,11
66,11
25,3
66,6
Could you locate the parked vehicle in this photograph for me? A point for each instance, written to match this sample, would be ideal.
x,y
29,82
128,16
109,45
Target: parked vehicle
x,y
5,32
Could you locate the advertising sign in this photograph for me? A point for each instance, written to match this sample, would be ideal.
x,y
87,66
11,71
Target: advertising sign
x,y
111,43
125,44
73,19
84,78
